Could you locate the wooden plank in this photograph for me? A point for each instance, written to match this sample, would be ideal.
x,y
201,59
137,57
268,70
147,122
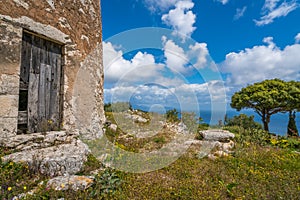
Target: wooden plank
x,y
55,61
33,101
22,117
36,55
44,91
25,61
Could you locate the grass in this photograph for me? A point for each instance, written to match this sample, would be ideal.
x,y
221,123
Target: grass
x,y
254,172
262,167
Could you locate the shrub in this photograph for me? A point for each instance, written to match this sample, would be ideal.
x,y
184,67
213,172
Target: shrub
x,y
292,127
172,115
242,120
246,136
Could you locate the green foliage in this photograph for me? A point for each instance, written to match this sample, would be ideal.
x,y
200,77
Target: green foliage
x,y
190,120
244,121
267,98
107,183
107,107
117,107
292,127
91,164
159,140
254,172
249,136
15,179
287,143
172,115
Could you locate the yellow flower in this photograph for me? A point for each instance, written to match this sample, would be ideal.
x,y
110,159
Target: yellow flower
x,y
62,185
50,121
25,188
9,188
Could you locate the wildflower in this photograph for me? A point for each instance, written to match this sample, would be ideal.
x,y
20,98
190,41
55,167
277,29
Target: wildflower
x,y
62,185
50,121
9,188
25,188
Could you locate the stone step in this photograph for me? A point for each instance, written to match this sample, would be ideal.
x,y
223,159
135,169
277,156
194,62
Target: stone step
x,y
60,160
37,140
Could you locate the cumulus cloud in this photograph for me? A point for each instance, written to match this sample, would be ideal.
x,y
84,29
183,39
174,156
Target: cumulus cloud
x,y
176,59
272,10
183,96
297,38
199,51
160,5
180,60
240,12
223,1
140,68
181,19
262,62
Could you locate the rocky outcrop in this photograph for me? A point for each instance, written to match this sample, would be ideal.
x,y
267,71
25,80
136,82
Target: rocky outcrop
x,y
37,140
216,135
63,159
70,182
136,118
214,144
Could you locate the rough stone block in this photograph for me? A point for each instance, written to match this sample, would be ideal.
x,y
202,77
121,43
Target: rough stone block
x,y
9,84
8,128
9,106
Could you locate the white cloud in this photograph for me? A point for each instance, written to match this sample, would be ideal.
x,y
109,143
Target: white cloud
x,y
141,67
223,1
181,61
297,38
199,51
271,10
176,59
240,12
184,96
181,19
160,5
262,62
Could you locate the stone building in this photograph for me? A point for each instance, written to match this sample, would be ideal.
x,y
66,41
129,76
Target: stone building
x,y
51,71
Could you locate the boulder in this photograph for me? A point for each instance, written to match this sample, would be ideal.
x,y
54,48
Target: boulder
x,y
70,182
113,127
64,159
37,140
138,119
217,135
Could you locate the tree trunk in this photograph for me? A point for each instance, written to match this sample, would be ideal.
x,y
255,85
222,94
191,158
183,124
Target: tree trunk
x,y
266,120
292,127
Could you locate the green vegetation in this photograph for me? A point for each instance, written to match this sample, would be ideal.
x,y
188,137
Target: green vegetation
x,y
262,167
172,115
268,98
292,128
117,107
254,172
244,121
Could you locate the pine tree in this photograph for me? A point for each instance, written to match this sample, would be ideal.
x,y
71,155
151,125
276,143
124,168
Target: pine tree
x,y
292,127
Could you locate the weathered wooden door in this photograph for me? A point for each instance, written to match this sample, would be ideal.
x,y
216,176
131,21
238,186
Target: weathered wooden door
x,y
40,84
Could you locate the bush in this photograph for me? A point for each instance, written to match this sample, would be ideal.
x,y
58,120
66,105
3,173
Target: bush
x,y
172,115
245,136
117,107
292,127
242,120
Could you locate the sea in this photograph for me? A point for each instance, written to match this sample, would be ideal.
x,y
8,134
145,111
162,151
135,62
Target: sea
x,y
278,123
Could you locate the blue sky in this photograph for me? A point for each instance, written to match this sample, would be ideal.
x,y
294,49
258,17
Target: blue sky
x,y
197,53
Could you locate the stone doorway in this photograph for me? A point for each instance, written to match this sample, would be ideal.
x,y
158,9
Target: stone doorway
x,y
41,84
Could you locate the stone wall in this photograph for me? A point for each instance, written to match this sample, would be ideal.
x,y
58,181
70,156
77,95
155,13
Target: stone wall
x,y
77,25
